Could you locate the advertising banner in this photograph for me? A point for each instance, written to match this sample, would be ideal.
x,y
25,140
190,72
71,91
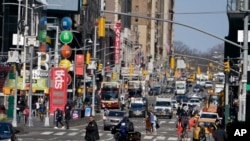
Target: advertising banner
x,y
117,42
58,89
79,64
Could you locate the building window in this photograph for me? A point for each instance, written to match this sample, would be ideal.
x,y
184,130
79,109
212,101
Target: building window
x,y
136,19
136,8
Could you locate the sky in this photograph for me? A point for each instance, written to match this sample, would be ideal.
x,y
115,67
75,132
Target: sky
x,y
207,15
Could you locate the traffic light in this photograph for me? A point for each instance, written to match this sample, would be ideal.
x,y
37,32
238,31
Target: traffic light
x,y
88,58
99,67
227,66
172,63
131,70
101,27
114,75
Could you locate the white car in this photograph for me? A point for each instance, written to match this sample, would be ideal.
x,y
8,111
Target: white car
x,y
195,102
174,104
208,84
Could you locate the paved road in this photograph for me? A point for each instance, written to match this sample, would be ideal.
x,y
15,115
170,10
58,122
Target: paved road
x,y
166,132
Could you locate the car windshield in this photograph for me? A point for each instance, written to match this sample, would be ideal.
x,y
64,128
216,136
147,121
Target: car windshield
x,y
162,103
109,96
194,101
136,106
5,129
213,116
156,88
116,114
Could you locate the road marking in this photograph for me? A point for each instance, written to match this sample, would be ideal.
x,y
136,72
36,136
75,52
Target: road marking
x,y
46,133
72,134
148,137
172,138
60,133
160,138
161,122
171,122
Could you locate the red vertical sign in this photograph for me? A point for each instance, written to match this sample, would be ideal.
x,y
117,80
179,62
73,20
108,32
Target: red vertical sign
x,y
58,89
117,42
79,64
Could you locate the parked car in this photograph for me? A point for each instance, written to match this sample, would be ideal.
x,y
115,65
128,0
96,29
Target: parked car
x,y
112,118
2,109
7,133
88,101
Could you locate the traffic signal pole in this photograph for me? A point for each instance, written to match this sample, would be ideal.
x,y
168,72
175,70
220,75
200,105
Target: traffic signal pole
x,y
242,97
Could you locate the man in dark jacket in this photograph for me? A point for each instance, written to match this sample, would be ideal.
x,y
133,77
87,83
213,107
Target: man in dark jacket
x,y
67,117
220,134
92,133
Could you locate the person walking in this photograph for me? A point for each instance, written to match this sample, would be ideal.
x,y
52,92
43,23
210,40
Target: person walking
x,y
26,114
179,128
59,117
92,133
67,118
148,124
220,134
153,120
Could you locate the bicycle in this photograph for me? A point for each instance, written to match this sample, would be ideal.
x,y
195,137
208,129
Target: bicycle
x,y
184,134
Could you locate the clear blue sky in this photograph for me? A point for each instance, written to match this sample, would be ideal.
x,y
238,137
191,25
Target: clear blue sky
x,y
207,15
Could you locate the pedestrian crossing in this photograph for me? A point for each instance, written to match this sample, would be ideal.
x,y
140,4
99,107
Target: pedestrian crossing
x,y
104,135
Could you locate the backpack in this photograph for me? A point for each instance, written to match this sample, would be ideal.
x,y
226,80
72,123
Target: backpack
x,y
60,113
184,121
130,126
123,128
202,135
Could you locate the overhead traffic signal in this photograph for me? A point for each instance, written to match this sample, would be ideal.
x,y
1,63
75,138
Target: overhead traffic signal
x,y
131,70
101,27
227,66
172,63
88,58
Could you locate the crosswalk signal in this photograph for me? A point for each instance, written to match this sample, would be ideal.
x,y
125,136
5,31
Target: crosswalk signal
x,y
227,66
99,67
88,58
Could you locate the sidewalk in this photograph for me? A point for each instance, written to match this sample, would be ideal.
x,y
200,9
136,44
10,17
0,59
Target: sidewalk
x,y
37,124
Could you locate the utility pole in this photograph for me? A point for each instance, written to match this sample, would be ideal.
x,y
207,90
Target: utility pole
x,y
242,97
227,94
94,84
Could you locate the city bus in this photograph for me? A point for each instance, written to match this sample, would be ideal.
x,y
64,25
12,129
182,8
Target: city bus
x,y
110,94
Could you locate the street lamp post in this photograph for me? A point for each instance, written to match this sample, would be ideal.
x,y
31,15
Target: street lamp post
x,y
94,87
84,75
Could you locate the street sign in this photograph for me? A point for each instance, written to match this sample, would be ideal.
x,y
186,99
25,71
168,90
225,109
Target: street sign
x,y
42,35
66,37
66,23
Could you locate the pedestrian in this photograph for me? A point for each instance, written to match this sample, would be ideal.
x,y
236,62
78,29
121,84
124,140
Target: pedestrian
x,y
92,133
153,120
220,134
179,128
26,114
67,110
199,132
148,124
37,108
59,118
